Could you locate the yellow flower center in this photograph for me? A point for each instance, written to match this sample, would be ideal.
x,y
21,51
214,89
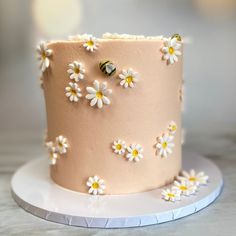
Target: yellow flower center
x,y
99,94
90,43
173,127
135,153
171,50
95,185
170,195
73,93
129,79
77,70
118,147
43,55
183,188
192,179
164,145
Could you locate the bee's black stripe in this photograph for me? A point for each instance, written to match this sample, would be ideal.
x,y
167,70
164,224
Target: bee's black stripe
x,y
103,69
113,71
103,64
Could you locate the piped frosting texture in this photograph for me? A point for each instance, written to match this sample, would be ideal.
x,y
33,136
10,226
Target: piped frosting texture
x,y
116,36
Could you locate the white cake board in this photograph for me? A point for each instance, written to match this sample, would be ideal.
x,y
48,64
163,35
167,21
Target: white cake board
x,y
35,192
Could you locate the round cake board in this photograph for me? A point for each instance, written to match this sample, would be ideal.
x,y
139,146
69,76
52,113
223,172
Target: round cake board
x,y
34,191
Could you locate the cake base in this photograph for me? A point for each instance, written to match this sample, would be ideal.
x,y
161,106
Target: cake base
x,y
35,192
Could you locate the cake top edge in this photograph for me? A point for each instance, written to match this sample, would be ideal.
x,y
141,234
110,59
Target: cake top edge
x,y
113,36
108,36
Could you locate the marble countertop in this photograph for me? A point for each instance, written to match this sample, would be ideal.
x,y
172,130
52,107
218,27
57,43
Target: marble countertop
x,y
218,219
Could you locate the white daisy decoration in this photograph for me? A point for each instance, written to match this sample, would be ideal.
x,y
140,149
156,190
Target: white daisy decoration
x,y
90,43
172,127
73,92
135,152
43,55
96,185
171,195
61,144
165,145
119,147
98,94
128,78
171,50
185,187
76,71
195,178
53,156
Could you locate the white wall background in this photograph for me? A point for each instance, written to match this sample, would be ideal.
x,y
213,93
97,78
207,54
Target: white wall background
x,y
210,62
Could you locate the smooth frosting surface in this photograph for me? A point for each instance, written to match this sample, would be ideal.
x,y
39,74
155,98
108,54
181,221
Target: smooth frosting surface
x,y
137,115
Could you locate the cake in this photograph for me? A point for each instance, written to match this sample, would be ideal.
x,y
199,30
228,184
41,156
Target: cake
x,y
113,109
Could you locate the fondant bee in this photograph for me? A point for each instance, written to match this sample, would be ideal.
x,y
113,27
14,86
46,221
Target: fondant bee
x,y
177,36
107,67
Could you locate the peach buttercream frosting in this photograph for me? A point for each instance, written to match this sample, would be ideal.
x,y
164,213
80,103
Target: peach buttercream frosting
x,y
113,112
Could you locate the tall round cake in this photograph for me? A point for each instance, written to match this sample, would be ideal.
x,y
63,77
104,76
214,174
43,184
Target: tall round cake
x,y
113,112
